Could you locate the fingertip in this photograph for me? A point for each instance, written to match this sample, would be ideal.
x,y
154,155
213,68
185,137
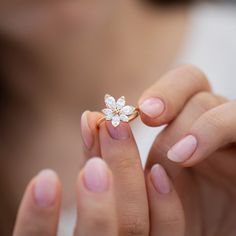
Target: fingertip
x,y
152,107
95,177
160,179
93,117
46,188
167,215
151,110
86,130
90,132
183,150
121,132
39,210
96,209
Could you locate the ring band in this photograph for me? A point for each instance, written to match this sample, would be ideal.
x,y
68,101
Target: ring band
x,y
117,111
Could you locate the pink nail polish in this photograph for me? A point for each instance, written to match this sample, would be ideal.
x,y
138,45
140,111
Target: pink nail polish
x,y
183,150
120,132
45,188
152,107
96,175
160,179
86,131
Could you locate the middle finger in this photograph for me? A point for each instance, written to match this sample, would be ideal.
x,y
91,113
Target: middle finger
x,y
197,105
120,151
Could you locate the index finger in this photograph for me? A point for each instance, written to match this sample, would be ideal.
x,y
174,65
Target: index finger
x,y
162,102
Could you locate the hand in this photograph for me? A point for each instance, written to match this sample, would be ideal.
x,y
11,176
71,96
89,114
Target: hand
x,y
39,211
111,200
129,177
200,134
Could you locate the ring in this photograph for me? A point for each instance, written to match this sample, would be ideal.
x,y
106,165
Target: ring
x,y
117,111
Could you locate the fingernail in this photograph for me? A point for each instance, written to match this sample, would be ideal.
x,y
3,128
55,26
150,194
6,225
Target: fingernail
x,y
120,132
45,188
86,132
160,179
183,150
152,107
96,175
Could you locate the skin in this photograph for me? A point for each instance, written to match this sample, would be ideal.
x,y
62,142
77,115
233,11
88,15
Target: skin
x,y
209,182
205,182
46,66
202,188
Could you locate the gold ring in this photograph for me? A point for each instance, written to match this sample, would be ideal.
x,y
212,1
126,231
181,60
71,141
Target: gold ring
x,y
117,111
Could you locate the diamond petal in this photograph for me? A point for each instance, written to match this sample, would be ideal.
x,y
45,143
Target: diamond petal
x,y
108,113
110,102
124,118
115,120
127,110
120,102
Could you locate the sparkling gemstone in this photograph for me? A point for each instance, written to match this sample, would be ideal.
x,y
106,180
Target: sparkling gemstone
x,y
108,113
115,120
110,102
120,102
127,110
117,111
124,118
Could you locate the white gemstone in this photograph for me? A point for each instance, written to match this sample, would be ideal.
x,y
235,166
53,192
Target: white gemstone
x,y
115,120
108,113
124,118
110,102
127,110
120,102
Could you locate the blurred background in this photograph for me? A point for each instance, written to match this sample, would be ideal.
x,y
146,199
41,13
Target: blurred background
x,y
59,58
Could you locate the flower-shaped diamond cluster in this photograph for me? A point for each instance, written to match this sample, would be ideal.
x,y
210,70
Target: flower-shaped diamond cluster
x,y
117,111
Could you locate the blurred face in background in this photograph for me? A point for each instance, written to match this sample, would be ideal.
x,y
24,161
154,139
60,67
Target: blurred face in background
x,y
70,49
59,58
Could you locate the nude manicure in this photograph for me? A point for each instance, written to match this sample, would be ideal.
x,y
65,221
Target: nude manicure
x,y
120,132
86,131
160,179
96,175
152,107
183,150
45,188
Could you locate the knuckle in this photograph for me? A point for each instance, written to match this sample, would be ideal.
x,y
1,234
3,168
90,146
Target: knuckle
x,y
124,164
214,119
100,222
135,225
221,99
177,221
204,101
196,75
99,219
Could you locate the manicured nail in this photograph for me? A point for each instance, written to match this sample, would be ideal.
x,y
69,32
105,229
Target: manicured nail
x,y
45,189
86,131
96,175
120,132
152,107
183,150
160,179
